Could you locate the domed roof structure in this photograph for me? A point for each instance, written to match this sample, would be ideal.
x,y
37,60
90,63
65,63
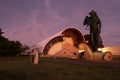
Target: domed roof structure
x,y
70,35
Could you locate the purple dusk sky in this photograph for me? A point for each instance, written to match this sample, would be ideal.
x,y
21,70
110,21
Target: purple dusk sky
x,y
31,21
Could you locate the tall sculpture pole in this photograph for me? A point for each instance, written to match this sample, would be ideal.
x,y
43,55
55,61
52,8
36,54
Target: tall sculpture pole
x,y
94,23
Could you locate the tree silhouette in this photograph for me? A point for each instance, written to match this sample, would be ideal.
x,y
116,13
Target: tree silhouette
x,y
9,48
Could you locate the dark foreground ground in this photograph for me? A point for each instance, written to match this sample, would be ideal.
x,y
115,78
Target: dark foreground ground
x,y
19,68
113,63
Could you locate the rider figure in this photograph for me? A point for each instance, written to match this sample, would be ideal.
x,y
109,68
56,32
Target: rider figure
x,y
94,23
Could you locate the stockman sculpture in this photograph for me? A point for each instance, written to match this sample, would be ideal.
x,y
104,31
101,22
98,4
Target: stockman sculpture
x,y
94,23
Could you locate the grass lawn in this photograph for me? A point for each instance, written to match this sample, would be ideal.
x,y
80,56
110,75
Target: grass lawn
x,y
20,69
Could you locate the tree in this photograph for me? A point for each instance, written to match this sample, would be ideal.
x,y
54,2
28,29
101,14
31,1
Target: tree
x,y
1,32
9,48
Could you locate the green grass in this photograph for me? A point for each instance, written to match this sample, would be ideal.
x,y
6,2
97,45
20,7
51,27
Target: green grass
x,y
20,69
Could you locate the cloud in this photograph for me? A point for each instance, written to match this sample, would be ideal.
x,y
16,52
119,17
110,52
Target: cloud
x,y
32,21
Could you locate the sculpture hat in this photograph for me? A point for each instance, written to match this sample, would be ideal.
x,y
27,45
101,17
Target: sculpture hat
x,y
92,12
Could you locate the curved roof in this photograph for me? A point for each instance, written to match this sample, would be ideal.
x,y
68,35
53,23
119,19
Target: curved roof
x,y
74,33
51,43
